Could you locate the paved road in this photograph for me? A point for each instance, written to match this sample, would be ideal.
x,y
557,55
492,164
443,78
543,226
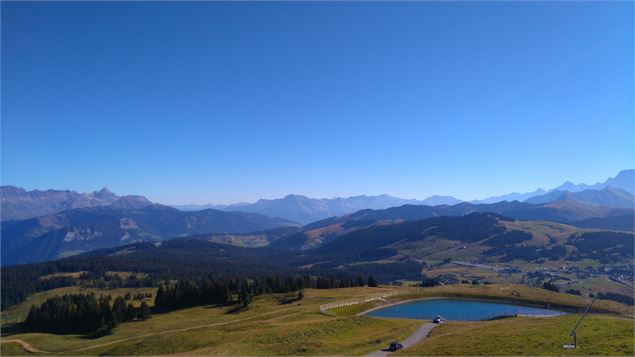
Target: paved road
x,y
419,335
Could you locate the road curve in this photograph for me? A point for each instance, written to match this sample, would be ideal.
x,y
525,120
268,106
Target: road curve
x,y
422,332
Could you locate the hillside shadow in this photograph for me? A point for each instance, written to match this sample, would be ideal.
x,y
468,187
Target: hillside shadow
x,y
11,329
237,310
97,334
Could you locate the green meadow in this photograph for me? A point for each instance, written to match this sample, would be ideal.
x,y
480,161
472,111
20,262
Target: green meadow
x,y
271,327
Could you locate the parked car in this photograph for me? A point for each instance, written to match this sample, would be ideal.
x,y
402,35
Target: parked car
x,y
394,346
438,320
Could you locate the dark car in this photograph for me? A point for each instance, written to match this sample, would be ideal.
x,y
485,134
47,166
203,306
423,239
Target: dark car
x,y
394,346
438,320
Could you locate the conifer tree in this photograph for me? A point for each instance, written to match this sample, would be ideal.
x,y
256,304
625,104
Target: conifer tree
x,y
144,312
130,312
119,310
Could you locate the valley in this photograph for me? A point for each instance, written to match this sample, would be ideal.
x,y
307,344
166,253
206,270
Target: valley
x,y
317,178
224,282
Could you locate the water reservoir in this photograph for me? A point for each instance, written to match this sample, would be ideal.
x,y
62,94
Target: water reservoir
x,y
459,310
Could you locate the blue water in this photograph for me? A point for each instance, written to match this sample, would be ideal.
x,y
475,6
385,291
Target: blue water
x,y
458,310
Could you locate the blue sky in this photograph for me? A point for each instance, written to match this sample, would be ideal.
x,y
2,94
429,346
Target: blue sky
x,y
226,102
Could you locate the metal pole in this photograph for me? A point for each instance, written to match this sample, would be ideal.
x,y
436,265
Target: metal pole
x,y
573,332
583,315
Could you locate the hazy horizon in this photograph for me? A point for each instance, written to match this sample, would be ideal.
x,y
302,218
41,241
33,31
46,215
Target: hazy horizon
x,y
212,202
206,102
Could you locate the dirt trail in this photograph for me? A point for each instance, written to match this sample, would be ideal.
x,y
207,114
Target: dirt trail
x,y
177,330
419,335
27,346
32,349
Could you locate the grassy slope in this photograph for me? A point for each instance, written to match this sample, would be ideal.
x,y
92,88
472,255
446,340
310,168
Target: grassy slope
x,y
271,328
433,251
310,335
544,230
19,312
597,335
267,327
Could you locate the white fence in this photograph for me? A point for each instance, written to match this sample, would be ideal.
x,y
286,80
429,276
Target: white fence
x,y
368,298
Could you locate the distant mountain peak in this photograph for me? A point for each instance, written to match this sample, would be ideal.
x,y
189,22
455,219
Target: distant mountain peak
x,y
608,196
624,180
436,200
11,190
105,194
295,197
18,203
570,186
132,202
514,196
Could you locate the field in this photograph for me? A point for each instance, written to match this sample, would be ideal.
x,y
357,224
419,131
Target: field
x,y
62,275
270,327
597,335
267,327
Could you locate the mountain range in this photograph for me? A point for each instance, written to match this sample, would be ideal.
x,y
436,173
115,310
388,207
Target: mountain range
x,y
390,250
624,180
18,203
135,219
514,196
563,211
608,196
127,220
304,210
84,222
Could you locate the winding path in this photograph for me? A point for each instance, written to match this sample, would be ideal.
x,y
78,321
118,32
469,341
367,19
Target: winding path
x,y
419,335
422,332
27,346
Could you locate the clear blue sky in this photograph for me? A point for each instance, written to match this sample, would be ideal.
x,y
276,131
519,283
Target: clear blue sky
x,y
225,102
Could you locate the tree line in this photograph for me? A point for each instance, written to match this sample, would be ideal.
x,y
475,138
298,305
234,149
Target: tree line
x,y
240,291
87,313
623,299
181,259
102,280
82,313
